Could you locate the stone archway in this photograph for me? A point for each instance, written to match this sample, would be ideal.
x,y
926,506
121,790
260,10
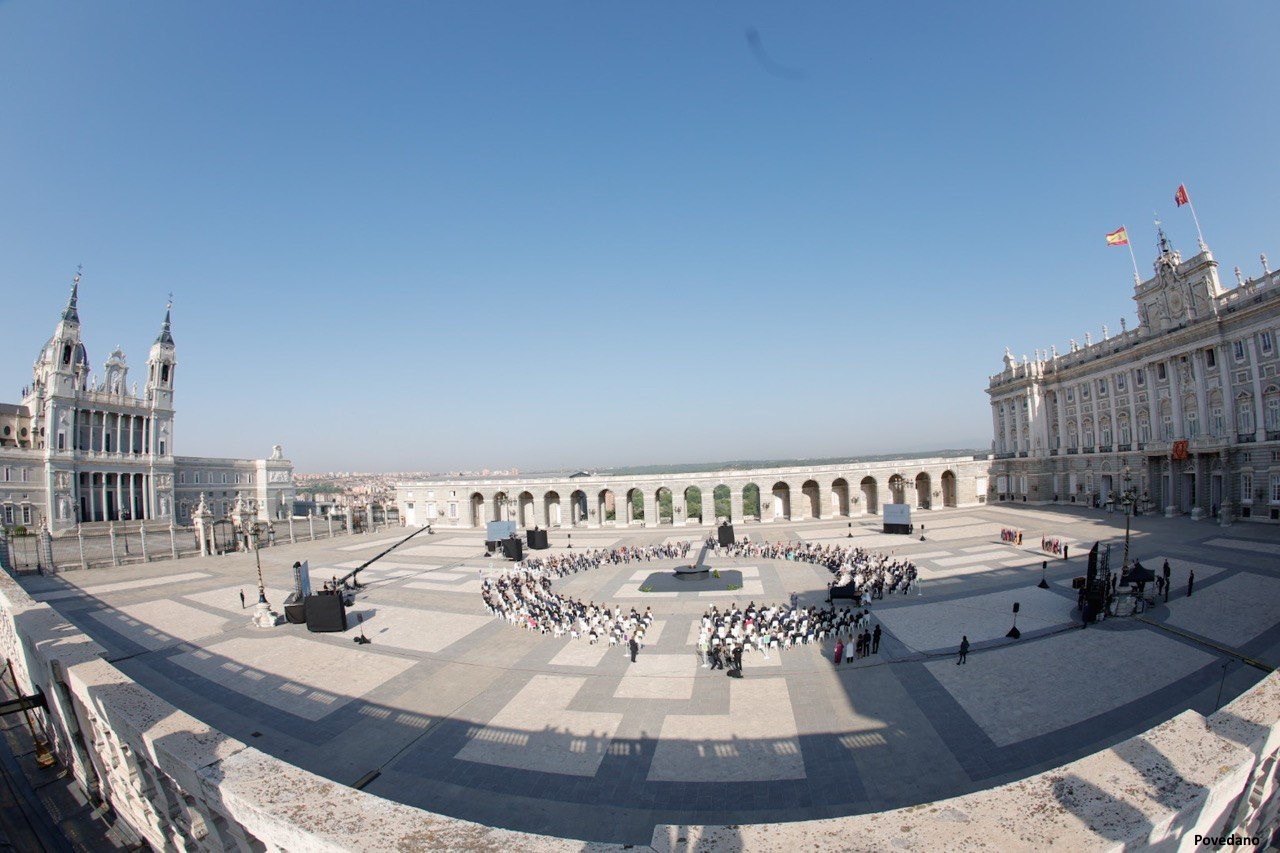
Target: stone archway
x,y
633,510
897,489
840,497
478,517
870,495
693,503
924,497
722,503
948,488
811,506
664,506
781,501
751,502
551,509
578,511
606,508
524,510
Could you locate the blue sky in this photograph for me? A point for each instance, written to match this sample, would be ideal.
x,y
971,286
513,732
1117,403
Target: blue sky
x,y
442,236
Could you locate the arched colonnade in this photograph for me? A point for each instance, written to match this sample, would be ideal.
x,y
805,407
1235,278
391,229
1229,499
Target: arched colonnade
x,y
766,495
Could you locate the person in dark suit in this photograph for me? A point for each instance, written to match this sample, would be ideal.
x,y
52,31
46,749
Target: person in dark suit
x,y
634,647
737,659
964,649
875,641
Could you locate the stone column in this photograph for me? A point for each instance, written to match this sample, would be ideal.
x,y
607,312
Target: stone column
x,y
735,504
111,530
142,533
709,505
651,509
1017,422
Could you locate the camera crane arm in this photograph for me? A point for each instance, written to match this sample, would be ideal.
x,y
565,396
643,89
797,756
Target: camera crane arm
x,y
351,574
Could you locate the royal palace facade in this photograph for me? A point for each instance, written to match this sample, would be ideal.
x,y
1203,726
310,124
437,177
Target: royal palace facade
x,y
79,450
1180,415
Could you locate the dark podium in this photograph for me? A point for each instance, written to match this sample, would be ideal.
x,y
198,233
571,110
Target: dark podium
x,y
537,539
326,613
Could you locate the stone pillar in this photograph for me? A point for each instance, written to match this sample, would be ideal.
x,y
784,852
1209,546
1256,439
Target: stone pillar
x,y
84,564
311,525
111,531
142,533
45,539
735,504
292,540
709,505
203,519
329,520
540,512
651,518
173,541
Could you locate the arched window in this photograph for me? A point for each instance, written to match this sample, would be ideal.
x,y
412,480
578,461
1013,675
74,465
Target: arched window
x,y
1244,414
1271,410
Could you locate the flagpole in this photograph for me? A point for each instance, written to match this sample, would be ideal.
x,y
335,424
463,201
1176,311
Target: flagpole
x,y
1196,220
1137,279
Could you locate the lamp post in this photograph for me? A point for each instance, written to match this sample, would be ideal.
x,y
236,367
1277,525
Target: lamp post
x,y
1128,497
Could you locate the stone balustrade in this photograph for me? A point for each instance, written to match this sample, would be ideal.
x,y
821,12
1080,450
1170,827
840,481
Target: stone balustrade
x,y
180,784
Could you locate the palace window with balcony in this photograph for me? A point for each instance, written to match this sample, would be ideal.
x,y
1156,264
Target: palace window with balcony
x,y
1246,487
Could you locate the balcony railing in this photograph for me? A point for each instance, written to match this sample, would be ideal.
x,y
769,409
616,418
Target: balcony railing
x,y
1246,437
1124,448
1071,451
1105,448
1273,435
1086,449
1053,452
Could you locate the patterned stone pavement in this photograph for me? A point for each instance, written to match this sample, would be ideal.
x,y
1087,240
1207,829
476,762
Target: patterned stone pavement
x,y
464,714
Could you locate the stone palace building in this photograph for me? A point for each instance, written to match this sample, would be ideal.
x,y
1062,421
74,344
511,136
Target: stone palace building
x,y
1182,411
83,450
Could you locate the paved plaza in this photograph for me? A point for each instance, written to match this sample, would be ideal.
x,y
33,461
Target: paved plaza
x,y
461,713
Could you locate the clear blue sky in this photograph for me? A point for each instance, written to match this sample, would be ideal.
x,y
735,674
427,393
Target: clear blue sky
x,y
438,236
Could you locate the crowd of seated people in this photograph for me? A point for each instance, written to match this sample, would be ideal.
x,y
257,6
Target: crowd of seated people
x,y
525,598
773,627
570,562
870,573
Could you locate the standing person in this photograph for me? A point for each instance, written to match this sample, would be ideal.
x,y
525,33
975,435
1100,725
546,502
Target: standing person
x,y
716,661
1166,581
839,651
634,647
866,643
875,640
242,599
737,659
1064,552
1191,582
702,651
964,649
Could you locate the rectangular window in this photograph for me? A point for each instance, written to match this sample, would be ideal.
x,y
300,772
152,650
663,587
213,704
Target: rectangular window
x,y
197,477
1102,387
8,515
1140,377
453,510
1211,357
162,447
1161,371
1071,395
1166,429
1246,487
1237,350
1084,391
1275,490
1121,383
1266,342
1215,415
62,441
6,475
26,475
182,478
26,515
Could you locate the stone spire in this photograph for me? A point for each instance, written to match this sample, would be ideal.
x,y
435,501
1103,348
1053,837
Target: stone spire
x,y
69,314
165,337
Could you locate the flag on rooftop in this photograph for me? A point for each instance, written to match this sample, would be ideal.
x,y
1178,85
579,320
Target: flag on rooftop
x,y
1181,197
1118,237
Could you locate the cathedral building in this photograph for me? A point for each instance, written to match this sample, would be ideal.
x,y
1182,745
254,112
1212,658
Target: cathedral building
x,y
1180,415
78,450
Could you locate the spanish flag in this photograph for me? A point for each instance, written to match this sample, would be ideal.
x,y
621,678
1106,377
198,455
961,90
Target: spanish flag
x,y
1180,197
1119,237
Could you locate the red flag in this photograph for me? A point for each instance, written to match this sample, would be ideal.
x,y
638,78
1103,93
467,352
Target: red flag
x,y
1119,237
1181,197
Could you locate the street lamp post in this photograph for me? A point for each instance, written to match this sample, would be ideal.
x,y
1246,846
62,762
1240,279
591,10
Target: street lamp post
x,y
1127,497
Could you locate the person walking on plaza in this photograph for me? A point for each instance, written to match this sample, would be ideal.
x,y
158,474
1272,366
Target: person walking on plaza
x,y
242,599
737,659
702,651
964,649
1191,582
634,647
1064,552
875,640
839,651
1166,573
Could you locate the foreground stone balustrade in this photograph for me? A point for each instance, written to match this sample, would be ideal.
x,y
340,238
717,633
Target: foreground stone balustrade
x,y
184,785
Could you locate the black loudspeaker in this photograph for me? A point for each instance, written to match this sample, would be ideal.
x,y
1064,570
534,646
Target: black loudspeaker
x,y
537,539
512,548
295,609
491,545
326,614
726,534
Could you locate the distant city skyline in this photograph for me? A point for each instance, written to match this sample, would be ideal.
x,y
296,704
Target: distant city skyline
x,y
450,237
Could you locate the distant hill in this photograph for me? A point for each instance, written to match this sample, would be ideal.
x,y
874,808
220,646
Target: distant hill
x,y
753,464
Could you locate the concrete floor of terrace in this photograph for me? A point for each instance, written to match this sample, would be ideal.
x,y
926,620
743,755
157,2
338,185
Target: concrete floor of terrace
x,y
461,713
